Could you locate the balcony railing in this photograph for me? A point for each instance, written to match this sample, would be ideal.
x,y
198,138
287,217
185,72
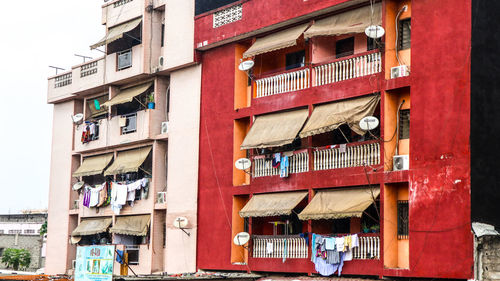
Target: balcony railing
x,y
347,68
369,248
283,82
346,156
298,163
279,246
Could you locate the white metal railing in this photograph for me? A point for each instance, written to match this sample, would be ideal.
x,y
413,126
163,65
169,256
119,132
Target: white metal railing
x,y
289,246
345,156
369,248
282,83
347,69
297,163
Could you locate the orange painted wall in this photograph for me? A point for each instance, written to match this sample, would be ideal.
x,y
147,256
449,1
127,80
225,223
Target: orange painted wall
x,y
238,253
241,128
391,103
396,252
392,7
241,89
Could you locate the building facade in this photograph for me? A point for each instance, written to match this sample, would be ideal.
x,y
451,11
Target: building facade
x,y
22,231
124,166
402,188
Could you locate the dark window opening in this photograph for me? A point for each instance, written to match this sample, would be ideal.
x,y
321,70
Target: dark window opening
x,y
95,108
162,34
404,124
203,6
402,219
372,43
1,251
404,34
370,220
344,47
246,225
164,234
341,226
295,60
133,254
129,40
96,239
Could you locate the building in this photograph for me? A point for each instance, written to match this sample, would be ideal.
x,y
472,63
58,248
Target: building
x,y
22,231
295,114
134,127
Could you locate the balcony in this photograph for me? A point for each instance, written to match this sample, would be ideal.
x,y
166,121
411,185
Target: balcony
x,y
279,246
295,247
352,67
325,158
298,163
82,77
112,134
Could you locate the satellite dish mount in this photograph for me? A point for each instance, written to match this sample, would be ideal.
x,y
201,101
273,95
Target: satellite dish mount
x,y
246,66
241,239
181,223
243,164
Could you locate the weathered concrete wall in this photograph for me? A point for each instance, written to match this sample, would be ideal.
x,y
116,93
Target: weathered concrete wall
x,y
32,243
488,255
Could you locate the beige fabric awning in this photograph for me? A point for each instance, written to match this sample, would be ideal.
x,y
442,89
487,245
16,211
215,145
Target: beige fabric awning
x,y
275,129
116,32
92,226
93,110
128,161
339,203
128,95
131,225
354,21
328,117
276,41
93,165
272,204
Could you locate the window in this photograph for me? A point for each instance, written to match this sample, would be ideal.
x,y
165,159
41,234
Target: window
x,y
29,231
162,34
133,254
130,123
402,219
404,124
404,34
372,44
344,47
15,231
124,59
295,60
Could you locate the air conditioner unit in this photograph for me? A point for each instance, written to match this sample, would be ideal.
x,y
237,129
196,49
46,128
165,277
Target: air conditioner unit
x,y
164,127
162,197
400,162
160,61
399,71
73,264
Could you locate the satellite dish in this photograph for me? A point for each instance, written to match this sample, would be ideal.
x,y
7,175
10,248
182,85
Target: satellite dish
x,y
243,163
246,65
78,185
241,238
368,123
180,222
75,239
374,31
77,118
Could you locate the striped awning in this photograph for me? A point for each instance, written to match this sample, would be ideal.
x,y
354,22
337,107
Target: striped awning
x,y
339,203
128,161
272,204
116,32
279,40
131,225
92,226
127,95
93,165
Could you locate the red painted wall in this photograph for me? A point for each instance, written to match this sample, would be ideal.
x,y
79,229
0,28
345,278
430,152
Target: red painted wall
x,y
439,176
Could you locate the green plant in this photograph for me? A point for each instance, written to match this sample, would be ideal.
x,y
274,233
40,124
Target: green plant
x,y
151,97
375,228
365,227
43,229
16,258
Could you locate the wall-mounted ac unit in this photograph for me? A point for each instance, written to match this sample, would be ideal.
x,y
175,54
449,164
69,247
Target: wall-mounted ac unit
x,y
399,71
164,127
400,162
161,198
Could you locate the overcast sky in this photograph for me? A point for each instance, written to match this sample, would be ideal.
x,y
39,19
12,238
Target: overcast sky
x,y
36,34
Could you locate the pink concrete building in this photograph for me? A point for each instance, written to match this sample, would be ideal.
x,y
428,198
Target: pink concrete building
x,y
127,124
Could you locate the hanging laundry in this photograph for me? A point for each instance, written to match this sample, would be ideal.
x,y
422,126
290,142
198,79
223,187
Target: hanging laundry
x,y
92,134
269,248
276,160
103,194
284,167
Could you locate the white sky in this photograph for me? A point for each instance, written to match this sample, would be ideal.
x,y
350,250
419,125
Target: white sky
x,y
36,34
